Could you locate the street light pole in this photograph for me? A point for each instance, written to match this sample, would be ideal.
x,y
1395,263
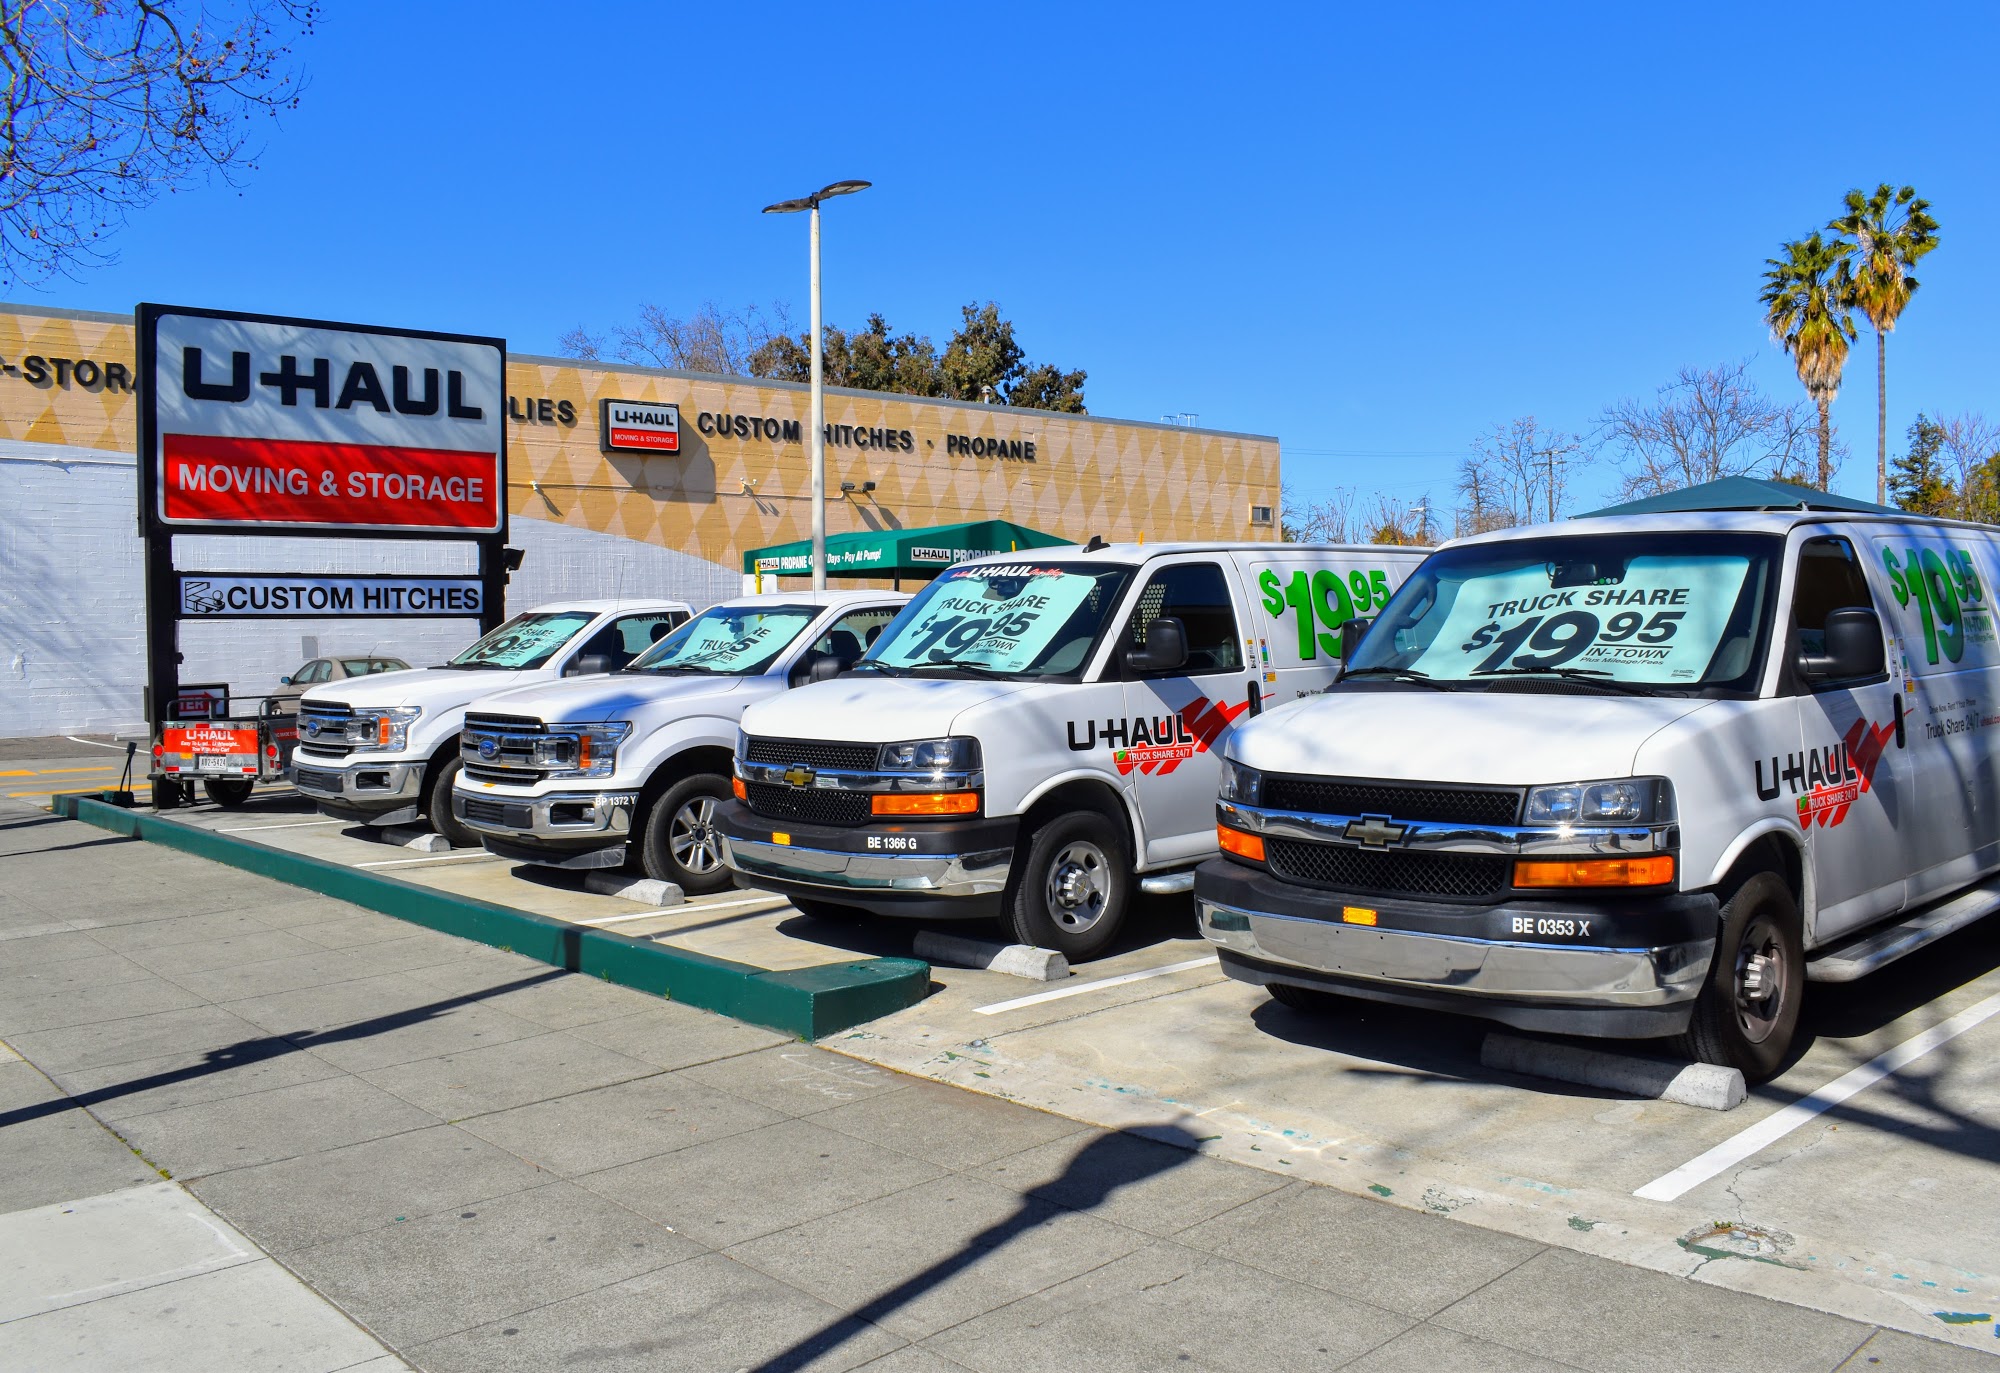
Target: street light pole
x,y
811,203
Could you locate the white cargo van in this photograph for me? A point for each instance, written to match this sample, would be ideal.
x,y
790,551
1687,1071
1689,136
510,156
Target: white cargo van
x,y
1035,734
594,773
1634,776
383,749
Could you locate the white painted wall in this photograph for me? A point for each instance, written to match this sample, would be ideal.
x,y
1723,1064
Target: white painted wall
x,y
72,594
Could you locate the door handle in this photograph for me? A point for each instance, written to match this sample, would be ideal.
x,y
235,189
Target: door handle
x,y
1256,698
1900,733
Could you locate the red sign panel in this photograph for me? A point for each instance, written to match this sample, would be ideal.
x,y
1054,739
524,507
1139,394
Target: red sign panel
x,y
640,426
208,740
281,481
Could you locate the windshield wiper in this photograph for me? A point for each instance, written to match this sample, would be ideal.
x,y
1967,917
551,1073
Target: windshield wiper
x,y
1401,674
1593,676
886,669
966,665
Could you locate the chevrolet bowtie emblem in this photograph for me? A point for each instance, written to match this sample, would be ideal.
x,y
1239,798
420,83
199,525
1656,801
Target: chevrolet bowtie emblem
x,y
799,776
1374,831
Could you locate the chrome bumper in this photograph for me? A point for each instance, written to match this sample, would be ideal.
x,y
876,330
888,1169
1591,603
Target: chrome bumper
x,y
382,793
585,815
942,874
1549,974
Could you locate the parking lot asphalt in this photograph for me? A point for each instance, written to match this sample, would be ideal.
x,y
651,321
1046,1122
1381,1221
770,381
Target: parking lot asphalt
x,y
405,1120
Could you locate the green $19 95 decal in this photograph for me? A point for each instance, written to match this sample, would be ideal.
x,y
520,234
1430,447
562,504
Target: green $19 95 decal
x,y
1323,598
1945,587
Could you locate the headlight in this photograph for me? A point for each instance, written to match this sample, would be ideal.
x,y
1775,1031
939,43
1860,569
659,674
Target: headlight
x,y
581,750
1244,786
930,755
386,730
1625,801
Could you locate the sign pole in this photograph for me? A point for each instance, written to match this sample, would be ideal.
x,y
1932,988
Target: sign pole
x,y
818,422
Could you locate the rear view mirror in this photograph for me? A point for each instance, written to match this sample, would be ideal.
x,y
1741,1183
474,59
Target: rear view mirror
x,y
1853,647
1352,631
589,665
1165,649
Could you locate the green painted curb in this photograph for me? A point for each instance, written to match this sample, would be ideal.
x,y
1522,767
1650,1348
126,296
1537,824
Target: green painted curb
x,y
807,1002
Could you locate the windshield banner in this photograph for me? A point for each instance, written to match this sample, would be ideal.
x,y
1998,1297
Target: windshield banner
x,y
1002,618
1659,622
729,643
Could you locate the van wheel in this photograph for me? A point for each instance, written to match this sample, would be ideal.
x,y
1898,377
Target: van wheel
x,y
229,793
1310,1000
437,806
1749,1007
1074,886
679,843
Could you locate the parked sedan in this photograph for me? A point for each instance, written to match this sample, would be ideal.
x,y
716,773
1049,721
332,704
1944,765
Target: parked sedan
x,y
320,671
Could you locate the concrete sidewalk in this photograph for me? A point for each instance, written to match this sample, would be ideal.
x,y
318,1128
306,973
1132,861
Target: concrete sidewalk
x,y
489,1164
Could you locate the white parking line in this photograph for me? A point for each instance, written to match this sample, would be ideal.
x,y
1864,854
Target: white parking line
x,y
1777,1125
296,825
116,748
1081,987
439,858
686,908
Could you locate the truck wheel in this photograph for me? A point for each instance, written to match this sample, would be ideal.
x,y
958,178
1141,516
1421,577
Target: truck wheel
x,y
1749,1007
1310,1000
228,792
679,843
1074,887
437,806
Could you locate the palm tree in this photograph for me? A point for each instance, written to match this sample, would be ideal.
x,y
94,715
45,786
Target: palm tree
x,y
1890,230
1805,302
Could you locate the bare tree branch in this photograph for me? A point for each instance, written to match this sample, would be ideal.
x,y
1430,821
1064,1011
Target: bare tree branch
x,y
1705,424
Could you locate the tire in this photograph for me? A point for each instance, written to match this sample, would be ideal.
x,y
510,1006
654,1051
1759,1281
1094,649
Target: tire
x,y
678,842
1309,1000
1734,1025
831,911
228,792
1074,886
437,808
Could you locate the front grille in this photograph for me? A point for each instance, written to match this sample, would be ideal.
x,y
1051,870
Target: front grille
x,y
814,805
1433,876
498,813
1399,801
334,716
313,777
512,777
813,753
508,724
513,739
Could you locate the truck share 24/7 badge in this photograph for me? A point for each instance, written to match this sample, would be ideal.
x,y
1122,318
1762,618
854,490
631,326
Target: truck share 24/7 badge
x,y
258,421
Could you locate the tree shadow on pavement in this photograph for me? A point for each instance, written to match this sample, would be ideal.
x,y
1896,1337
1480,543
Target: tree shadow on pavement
x,y
1099,1169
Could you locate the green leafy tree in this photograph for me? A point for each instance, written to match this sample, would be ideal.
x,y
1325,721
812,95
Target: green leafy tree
x,y
1891,231
1805,299
1918,482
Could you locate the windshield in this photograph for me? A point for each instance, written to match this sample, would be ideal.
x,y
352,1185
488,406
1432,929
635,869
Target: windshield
x,y
525,641
1664,611
735,640
1012,619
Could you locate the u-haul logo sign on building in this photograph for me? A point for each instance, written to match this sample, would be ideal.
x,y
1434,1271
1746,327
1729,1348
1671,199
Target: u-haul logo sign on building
x,y
630,426
254,420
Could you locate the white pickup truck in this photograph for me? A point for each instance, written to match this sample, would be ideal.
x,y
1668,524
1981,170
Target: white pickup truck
x,y
1037,734
383,749
599,772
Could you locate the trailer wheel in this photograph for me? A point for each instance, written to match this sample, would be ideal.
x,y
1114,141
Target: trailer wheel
x,y
1309,1000
1748,1010
437,805
678,842
228,792
1073,887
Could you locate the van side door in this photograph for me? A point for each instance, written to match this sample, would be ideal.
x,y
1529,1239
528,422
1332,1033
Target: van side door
x,y
1851,784
1176,718
1300,599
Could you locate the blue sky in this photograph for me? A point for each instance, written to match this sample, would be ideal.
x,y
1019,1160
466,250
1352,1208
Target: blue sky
x,y
1372,234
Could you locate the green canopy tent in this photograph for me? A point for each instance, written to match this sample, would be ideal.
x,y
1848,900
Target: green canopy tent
x,y
899,552
1742,493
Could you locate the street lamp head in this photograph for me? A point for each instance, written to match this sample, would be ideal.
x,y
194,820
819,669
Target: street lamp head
x,y
841,188
788,207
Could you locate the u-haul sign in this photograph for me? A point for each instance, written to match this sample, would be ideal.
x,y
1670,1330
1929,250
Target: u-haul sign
x,y
630,426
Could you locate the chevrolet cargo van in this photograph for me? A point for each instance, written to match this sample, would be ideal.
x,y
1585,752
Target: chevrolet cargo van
x,y
383,749
604,771
1035,736
1630,777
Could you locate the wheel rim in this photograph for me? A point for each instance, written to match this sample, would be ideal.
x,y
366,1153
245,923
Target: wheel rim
x,y
1763,981
691,836
1079,887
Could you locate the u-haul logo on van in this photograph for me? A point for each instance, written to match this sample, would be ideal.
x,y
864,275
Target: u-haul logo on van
x,y
1828,781
1158,744
631,426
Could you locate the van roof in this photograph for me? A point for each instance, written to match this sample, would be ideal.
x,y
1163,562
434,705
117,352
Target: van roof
x,y
598,607
1734,521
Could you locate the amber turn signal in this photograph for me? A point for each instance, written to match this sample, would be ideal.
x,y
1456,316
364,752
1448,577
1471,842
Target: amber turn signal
x,y
742,792
926,803
1655,871
1243,845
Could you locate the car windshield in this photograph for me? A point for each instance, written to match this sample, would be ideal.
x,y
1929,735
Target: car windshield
x,y
1023,619
734,640
526,641
1660,612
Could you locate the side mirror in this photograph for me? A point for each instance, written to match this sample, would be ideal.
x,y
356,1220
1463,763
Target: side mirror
x,y
284,681
816,667
1352,632
1165,650
589,665
1853,647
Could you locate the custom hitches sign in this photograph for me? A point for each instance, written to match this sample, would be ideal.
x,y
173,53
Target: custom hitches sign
x,y
238,595
254,420
630,426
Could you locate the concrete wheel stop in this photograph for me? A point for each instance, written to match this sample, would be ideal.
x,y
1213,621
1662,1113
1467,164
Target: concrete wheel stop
x,y
1705,1085
1018,960
413,837
808,1002
647,891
